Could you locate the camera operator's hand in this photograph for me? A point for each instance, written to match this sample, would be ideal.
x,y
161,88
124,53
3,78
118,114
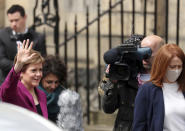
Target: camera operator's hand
x,y
107,74
106,84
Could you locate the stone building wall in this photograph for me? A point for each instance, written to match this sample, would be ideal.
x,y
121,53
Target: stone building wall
x,y
69,8
67,11
2,6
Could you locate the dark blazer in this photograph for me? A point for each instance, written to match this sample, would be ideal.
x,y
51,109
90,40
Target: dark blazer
x,y
8,47
149,108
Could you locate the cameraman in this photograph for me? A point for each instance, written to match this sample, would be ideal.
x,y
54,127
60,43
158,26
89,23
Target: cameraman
x,y
154,42
121,95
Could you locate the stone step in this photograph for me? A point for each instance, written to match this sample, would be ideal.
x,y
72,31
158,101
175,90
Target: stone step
x,y
98,128
100,118
99,121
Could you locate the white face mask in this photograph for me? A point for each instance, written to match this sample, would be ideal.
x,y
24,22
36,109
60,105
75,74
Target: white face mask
x,y
173,75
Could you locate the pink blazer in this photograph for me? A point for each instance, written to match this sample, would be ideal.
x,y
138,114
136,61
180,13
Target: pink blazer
x,y
14,92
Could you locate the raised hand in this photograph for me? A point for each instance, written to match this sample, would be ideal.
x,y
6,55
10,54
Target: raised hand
x,y
23,55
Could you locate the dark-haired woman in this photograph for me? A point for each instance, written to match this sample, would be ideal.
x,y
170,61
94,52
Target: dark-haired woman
x,y
54,77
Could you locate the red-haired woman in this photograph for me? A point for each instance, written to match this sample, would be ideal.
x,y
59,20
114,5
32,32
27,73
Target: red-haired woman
x,y
160,103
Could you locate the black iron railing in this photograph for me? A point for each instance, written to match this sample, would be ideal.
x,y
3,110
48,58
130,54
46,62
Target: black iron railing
x,y
47,18
109,12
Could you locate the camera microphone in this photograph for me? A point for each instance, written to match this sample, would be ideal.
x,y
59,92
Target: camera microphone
x,y
112,55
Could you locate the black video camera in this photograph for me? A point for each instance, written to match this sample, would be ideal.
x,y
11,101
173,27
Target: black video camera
x,y
126,60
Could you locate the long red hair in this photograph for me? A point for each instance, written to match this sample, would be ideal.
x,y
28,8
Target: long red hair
x,y
161,62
